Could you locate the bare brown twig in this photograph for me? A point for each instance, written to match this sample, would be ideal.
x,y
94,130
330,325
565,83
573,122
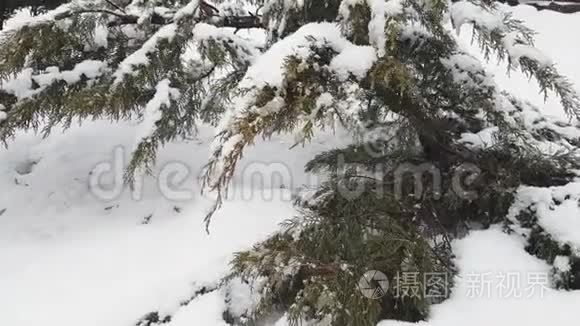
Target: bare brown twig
x,y
116,6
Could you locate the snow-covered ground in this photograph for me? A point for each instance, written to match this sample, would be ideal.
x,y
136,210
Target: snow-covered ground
x,y
68,257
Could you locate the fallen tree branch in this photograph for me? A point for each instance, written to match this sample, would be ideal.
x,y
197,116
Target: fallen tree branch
x,y
237,22
553,6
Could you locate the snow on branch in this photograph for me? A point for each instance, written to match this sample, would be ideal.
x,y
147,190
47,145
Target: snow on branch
x,y
381,11
497,32
245,50
268,70
139,57
26,85
381,14
265,89
55,14
152,113
147,139
559,220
